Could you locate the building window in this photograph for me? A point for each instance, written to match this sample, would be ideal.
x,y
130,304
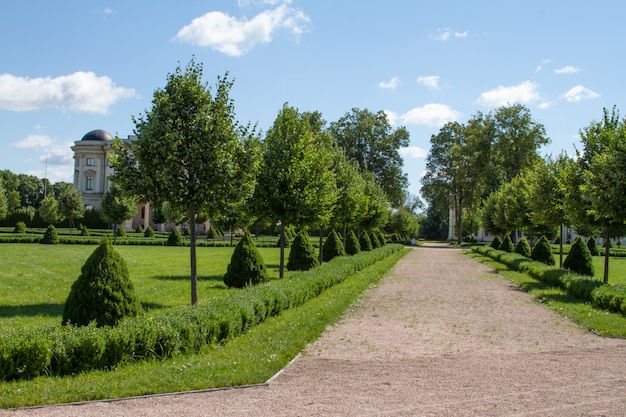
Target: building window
x,y
91,162
89,186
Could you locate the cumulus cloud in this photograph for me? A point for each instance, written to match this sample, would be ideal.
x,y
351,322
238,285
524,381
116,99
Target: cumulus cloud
x,y
579,93
523,93
567,70
446,34
413,152
235,37
391,84
80,91
33,142
430,81
432,114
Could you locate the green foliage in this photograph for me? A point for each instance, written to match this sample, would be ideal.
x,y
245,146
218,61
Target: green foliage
x,y
49,210
352,244
375,240
50,237
149,232
542,252
175,238
103,292
139,229
83,230
592,245
333,246
120,232
211,233
365,242
579,259
20,227
381,237
507,245
246,265
187,231
496,242
523,248
302,256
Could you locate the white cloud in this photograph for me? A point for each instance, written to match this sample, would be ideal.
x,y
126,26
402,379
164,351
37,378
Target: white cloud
x,y
33,142
446,34
579,93
391,84
432,114
413,152
540,66
567,70
80,91
235,37
523,93
546,104
430,81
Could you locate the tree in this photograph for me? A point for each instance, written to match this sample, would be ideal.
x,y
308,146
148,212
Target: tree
x,y
49,210
369,139
71,205
188,151
4,206
116,207
246,265
296,185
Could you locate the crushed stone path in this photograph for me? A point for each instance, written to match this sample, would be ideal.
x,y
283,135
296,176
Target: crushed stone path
x,y
442,335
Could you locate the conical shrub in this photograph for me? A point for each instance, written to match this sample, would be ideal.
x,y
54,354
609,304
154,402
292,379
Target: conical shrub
x,y
375,241
121,232
542,252
507,245
103,292
381,237
522,247
50,237
579,259
246,265
352,244
149,232
83,230
302,256
496,242
333,246
365,242
20,227
175,238
592,245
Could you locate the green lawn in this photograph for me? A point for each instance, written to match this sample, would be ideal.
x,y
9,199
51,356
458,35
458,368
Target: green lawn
x,y
617,269
35,279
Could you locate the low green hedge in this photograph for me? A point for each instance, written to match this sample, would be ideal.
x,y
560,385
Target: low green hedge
x,y
57,350
607,296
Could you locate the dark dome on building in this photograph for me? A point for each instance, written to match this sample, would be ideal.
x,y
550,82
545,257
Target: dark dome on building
x,y
98,134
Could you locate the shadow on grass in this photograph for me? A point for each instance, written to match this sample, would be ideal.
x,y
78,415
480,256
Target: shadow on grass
x,y
219,278
32,310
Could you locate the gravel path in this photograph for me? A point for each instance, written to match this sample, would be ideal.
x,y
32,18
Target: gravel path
x,y
442,335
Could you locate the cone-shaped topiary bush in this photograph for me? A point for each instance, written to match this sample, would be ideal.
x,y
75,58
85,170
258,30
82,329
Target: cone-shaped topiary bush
x,y
542,252
579,259
365,242
381,237
149,232
121,232
522,247
507,245
592,245
83,230
51,236
352,244
139,229
187,231
175,238
496,242
20,227
103,292
375,241
333,246
302,256
246,265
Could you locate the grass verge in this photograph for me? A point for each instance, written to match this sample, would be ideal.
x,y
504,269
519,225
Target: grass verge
x,y
583,314
249,359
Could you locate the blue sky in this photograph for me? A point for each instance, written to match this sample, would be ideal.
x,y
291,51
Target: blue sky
x,y
69,67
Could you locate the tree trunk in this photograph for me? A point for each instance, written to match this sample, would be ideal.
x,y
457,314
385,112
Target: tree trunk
x,y
459,217
192,254
282,250
607,237
321,251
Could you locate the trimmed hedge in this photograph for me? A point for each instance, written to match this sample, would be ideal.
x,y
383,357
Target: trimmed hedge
x,y
56,350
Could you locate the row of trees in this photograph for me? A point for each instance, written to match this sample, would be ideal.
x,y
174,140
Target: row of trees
x,y
506,186
192,155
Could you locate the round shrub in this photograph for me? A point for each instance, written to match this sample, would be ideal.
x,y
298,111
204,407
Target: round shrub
x,y
522,247
149,232
175,238
50,237
139,229
352,244
103,292
507,245
120,232
579,259
496,243
20,227
246,265
542,252
302,256
365,242
592,245
333,246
